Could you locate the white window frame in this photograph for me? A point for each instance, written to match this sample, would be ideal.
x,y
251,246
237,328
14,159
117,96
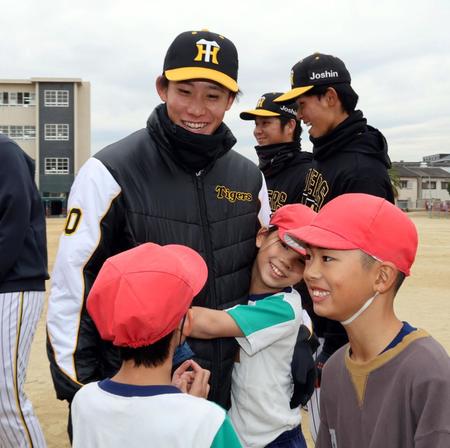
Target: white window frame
x,y
16,132
56,98
56,165
29,132
4,129
56,131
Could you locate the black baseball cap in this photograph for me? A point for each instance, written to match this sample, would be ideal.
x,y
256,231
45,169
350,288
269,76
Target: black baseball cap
x,y
265,107
202,55
315,70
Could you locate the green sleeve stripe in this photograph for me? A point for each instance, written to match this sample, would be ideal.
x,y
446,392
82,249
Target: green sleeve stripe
x,y
263,314
226,436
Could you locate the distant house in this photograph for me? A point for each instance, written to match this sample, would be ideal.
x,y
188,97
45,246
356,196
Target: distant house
x,y
50,120
422,185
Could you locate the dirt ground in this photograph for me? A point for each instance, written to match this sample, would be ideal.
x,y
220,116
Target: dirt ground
x,y
423,300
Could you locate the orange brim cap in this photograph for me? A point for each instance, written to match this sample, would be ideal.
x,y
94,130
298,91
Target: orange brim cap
x,y
292,94
251,114
186,73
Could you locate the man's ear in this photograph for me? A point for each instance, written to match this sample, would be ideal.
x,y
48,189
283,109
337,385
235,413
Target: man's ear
x,y
231,97
331,97
386,277
161,88
261,236
188,322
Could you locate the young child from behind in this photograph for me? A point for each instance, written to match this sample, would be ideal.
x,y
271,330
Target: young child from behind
x,y
390,386
266,329
140,301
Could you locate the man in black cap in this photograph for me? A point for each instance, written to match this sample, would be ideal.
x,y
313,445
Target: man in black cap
x,y
175,181
349,156
284,165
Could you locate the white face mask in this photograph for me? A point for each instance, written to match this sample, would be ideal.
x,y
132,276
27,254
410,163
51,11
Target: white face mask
x,y
360,311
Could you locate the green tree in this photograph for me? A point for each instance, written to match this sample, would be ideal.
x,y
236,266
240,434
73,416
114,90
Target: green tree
x,y
395,181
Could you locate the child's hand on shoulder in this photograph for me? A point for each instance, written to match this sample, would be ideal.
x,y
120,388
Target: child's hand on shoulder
x,y
192,379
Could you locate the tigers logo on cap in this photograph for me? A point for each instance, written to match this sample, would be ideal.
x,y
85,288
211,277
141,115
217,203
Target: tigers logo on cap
x,y
202,55
207,51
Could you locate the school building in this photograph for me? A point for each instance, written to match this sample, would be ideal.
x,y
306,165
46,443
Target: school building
x,y
424,184
49,118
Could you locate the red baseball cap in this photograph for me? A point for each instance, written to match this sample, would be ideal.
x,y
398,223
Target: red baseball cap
x,y
365,222
292,216
141,295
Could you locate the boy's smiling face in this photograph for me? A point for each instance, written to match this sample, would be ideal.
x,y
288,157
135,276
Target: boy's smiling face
x,y
338,281
276,266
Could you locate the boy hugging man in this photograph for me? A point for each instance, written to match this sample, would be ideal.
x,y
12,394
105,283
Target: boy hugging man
x,y
390,386
266,330
140,302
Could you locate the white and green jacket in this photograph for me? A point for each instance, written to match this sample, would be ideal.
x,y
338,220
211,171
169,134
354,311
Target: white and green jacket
x,y
262,383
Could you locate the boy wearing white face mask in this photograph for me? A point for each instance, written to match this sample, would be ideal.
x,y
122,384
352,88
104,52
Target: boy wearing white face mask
x,y
390,386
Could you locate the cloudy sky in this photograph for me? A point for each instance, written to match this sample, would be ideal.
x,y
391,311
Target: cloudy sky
x,y
398,53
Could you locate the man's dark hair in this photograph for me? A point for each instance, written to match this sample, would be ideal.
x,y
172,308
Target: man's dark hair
x,y
347,96
297,130
149,355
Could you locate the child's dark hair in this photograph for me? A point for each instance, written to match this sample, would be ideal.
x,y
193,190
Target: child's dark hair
x,y
347,96
297,130
149,355
368,261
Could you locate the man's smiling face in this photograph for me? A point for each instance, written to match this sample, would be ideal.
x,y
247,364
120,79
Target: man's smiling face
x,y
197,106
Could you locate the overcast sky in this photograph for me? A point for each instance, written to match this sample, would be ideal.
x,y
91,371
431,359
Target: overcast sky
x,y
398,53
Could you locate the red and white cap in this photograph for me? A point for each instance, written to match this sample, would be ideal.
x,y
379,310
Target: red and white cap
x,y
365,222
292,216
141,295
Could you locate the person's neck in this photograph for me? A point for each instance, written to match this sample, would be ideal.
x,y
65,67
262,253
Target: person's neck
x,y
129,373
373,330
257,286
339,118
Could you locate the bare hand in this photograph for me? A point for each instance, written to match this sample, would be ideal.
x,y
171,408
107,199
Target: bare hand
x,y
194,381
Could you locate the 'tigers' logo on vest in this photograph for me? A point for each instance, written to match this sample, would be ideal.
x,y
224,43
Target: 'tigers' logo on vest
x,y
323,75
207,51
232,196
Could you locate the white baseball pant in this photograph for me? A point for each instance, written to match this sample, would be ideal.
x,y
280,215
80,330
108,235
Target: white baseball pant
x,y
19,314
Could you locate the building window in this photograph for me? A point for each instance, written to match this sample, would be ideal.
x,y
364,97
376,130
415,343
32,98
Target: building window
x,y
16,131
17,99
444,185
29,132
56,98
428,185
408,184
19,132
56,132
56,165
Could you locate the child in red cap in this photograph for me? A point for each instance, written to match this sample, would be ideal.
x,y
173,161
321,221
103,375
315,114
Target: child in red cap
x,y
266,330
140,302
390,386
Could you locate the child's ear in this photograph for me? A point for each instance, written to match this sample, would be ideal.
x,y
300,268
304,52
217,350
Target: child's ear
x,y
261,236
386,277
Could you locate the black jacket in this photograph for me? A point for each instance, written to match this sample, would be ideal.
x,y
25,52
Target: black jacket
x,y
284,167
144,195
352,158
23,248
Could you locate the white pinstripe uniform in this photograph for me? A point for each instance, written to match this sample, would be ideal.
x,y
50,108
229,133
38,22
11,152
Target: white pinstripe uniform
x,y
19,313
